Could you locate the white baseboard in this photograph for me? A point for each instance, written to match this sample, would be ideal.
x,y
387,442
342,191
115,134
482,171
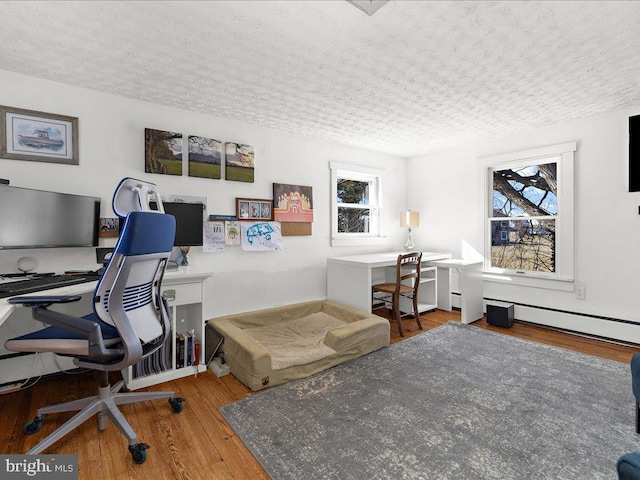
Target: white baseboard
x,y
606,328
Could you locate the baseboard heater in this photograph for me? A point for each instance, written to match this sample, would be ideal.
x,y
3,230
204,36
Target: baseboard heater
x,y
596,326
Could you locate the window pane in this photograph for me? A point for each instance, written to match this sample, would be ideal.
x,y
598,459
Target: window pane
x,y
524,245
526,191
353,191
353,220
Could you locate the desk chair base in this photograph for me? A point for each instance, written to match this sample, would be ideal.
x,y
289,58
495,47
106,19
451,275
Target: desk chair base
x,y
105,407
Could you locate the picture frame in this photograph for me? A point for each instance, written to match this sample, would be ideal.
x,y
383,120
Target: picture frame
x,y
108,228
254,209
162,152
292,203
239,162
38,136
205,157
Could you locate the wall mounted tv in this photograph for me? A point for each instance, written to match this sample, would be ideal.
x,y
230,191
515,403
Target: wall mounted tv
x,y
40,219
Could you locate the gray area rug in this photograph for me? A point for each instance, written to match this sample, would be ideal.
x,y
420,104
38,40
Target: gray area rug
x,y
456,402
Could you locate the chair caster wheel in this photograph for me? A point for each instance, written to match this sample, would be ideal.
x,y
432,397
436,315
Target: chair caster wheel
x,y
138,452
176,404
33,426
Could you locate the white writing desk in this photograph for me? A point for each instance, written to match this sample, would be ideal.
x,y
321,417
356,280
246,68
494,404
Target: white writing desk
x,y
183,289
471,301
349,280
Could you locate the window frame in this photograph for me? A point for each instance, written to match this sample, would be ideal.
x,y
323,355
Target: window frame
x,y
564,156
358,173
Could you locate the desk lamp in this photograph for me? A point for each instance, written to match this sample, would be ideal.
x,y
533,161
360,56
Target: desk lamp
x,y
409,220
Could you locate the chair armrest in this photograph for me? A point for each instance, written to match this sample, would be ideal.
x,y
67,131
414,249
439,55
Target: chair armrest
x,y
80,326
68,323
43,301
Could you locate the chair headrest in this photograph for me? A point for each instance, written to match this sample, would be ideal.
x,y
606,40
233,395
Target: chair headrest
x,y
134,195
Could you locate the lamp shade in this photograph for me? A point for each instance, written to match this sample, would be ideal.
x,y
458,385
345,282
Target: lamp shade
x,y
410,219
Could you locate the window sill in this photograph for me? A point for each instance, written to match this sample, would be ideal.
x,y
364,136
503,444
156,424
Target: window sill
x,y
357,241
533,282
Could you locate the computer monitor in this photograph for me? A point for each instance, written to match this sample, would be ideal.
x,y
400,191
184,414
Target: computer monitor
x,y
189,222
41,219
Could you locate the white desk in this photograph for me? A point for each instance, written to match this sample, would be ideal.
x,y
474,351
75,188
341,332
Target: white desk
x,y
471,302
184,290
349,280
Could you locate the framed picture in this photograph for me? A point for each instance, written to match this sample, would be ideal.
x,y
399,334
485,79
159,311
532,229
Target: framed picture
x,y
162,152
292,203
109,227
205,157
239,162
254,209
38,136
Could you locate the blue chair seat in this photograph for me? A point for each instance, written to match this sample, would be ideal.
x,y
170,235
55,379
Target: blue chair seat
x,y
54,339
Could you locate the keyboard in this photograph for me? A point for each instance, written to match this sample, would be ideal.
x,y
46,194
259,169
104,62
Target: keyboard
x,y
41,283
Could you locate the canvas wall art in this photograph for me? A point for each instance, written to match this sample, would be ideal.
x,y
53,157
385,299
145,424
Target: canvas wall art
x,y
205,157
292,203
162,152
38,136
239,162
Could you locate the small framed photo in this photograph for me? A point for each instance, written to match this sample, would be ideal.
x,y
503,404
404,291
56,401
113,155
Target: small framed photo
x,y
38,136
109,227
254,209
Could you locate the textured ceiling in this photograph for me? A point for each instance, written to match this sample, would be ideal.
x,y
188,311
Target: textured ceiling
x,y
416,76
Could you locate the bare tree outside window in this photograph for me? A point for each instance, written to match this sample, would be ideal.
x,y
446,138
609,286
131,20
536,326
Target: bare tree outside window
x,y
353,201
523,221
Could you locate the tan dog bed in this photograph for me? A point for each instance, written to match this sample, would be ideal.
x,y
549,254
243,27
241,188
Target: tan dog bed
x,y
276,345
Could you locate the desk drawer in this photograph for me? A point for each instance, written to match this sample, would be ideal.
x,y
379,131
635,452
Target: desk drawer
x,y
183,294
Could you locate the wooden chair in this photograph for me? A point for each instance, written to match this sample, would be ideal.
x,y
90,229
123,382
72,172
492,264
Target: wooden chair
x,y
405,286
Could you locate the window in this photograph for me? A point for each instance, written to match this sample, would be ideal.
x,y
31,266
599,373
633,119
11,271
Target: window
x,y
529,213
355,193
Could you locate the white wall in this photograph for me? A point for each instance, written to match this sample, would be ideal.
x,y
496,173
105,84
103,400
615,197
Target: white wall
x,y
444,187
111,132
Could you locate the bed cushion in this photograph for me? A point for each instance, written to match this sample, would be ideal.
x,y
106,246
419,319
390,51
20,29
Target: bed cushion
x,y
296,342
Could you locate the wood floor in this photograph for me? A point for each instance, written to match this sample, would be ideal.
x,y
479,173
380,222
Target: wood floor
x,y
197,443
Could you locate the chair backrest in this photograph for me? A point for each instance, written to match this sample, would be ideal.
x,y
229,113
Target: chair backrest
x,y
408,270
635,375
128,295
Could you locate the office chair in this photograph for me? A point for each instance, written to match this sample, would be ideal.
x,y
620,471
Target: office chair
x,y
405,286
635,386
131,320
629,464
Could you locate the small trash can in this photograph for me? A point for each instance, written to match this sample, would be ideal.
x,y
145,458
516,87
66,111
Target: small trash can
x,y
500,314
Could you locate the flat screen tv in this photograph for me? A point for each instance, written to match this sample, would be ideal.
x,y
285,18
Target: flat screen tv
x,y
40,219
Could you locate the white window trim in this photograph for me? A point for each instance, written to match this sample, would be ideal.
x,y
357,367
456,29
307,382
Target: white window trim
x,y
565,265
356,172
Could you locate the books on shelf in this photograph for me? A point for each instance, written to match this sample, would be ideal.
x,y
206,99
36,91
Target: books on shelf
x,y
187,349
187,354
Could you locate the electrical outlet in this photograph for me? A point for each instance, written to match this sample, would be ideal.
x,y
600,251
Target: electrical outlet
x,y
581,292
